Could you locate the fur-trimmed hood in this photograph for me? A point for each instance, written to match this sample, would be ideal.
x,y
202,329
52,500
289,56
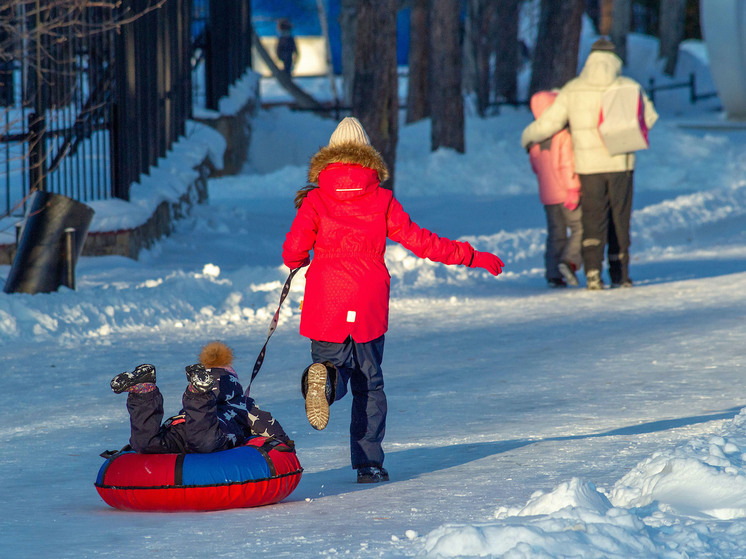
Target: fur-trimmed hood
x,y
343,154
358,154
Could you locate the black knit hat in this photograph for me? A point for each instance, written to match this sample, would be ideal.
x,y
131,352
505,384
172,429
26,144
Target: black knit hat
x,y
603,45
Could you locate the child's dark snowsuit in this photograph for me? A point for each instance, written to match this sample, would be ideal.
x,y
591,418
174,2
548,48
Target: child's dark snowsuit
x,y
216,415
218,420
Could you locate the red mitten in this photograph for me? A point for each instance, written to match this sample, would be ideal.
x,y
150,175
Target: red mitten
x,y
488,261
572,200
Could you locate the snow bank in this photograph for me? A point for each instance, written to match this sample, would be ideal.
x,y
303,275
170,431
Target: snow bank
x,y
664,507
166,181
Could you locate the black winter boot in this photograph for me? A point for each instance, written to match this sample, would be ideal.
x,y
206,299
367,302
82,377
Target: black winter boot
x,y
126,380
372,474
199,378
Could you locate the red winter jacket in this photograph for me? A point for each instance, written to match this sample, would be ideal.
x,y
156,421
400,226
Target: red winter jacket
x,y
553,161
346,221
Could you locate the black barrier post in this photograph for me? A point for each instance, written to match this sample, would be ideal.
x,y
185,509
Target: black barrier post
x,y
68,259
38,266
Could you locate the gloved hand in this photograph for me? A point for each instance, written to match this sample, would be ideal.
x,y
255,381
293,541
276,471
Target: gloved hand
x,y
572,200
488,261
305,262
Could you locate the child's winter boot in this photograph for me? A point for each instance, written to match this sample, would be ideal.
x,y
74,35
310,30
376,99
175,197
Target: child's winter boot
x,y
143,374
200,379
318,388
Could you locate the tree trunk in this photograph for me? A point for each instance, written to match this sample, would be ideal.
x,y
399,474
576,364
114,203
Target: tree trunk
x,y
555,59
671,31
471,45
328,49
374,93
479,43
621,22
507,61
446,102
348,27
418,98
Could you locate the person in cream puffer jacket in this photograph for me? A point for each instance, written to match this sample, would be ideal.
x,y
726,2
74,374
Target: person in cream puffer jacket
x,y
606,180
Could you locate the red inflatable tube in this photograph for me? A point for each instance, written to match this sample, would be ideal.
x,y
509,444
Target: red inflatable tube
x,y
251,475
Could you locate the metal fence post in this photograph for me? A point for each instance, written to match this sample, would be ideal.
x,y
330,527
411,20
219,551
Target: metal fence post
x,y
69,258
37,151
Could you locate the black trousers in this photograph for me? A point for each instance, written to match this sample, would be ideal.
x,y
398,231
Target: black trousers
x,y
607,208
198,430
359,364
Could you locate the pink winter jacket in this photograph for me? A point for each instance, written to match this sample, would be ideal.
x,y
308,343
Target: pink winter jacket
x,y
552,160
346,221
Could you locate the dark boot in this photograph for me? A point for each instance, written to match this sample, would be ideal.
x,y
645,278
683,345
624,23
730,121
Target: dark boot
x,y
126,380
372,474
200,379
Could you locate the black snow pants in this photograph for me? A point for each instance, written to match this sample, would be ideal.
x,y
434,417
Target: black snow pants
x,y
199,429
607,208
359,364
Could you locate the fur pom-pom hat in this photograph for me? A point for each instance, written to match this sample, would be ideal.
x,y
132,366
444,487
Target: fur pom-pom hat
x,y
349,131
216,354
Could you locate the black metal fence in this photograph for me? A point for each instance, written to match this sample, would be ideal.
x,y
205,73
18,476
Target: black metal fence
x,y
227,47
92,94
153,97
54,91
690,84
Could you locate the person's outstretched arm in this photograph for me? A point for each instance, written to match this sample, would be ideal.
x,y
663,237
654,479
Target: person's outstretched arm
x,y
427,244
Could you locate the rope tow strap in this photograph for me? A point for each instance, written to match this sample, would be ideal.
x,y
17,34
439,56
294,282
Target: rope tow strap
x,y
272,328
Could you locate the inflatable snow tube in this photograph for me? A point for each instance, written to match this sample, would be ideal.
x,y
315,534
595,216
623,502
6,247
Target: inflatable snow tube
x,y
251,475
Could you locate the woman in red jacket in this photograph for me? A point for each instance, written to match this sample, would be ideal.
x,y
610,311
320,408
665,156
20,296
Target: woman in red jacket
x,y
345,220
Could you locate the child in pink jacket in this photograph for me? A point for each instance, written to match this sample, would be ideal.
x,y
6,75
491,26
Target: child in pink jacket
x,y
559,191
346,220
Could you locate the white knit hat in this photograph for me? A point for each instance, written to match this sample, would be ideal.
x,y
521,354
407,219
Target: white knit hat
x,y
349,131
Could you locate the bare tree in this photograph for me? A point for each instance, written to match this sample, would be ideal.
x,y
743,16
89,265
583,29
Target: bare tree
x,y
555,58
375,99
471,45
446,102
671,31
348,27
418,90
621,22
479,46
508,54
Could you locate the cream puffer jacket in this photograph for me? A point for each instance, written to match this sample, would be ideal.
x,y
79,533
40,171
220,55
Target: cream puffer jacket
x,y
579,104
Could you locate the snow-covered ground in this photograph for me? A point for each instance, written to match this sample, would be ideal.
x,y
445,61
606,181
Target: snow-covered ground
x,y
523,421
